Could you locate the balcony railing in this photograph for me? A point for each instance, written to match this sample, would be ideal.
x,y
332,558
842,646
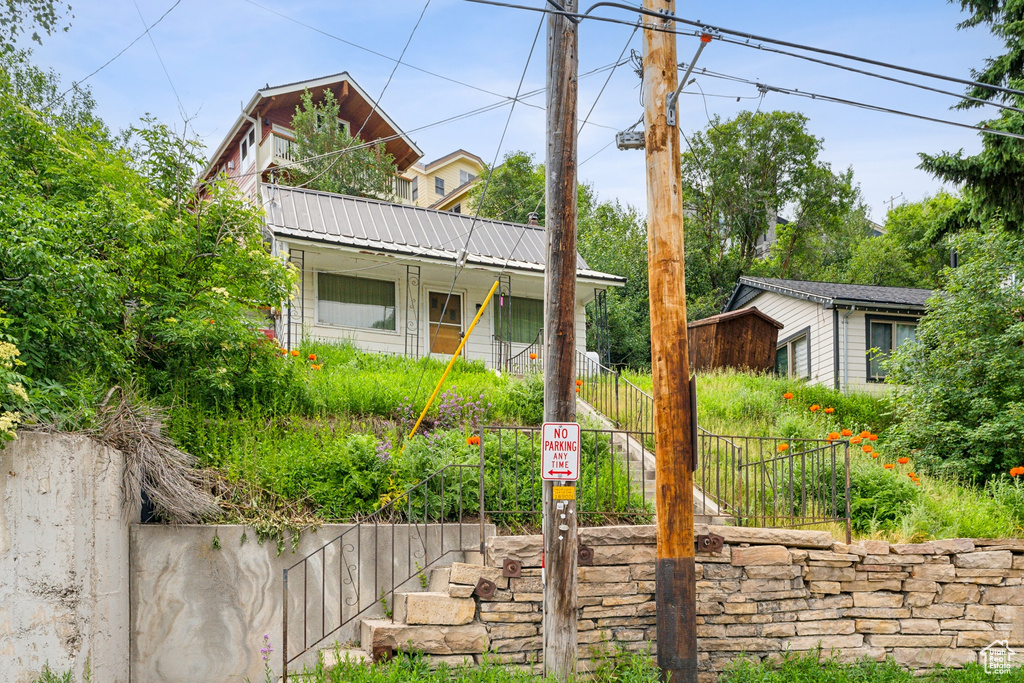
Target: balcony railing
x,y
403,190
285,149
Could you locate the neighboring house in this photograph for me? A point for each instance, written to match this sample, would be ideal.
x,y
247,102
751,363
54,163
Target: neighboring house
x,y
763,244
828,328
378,274
262,139
444,184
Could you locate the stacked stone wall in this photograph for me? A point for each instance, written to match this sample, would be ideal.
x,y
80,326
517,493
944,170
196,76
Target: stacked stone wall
x,y
770,591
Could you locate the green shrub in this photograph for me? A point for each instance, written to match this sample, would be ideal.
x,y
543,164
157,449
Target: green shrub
x,y
963,410
879,498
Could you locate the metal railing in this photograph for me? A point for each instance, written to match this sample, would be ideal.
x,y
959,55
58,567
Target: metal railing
x,y
628,406
527,361
334,586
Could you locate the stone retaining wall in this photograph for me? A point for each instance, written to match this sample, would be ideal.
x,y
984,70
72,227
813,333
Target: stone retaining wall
x,y
770,591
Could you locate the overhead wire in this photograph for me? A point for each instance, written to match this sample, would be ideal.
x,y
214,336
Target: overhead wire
x,y
123,50
149,33
607,80
483,195
719,33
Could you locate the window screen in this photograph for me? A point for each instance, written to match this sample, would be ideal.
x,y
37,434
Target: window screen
x,y
355,302
525,318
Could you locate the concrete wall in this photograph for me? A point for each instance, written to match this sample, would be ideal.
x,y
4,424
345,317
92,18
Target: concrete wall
x,y
199,613
63,559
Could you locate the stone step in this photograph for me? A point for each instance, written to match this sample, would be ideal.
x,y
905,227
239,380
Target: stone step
x,y
438,582
470,639
433,608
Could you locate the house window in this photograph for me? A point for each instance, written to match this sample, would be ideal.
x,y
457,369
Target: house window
x,y
793,356
439,186
457,208
465,177
321,121
415,188
248,142
355,302
522,318
884,336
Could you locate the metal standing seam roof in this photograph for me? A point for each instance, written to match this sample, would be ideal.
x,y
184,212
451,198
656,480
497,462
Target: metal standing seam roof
x,y
409,230
829,293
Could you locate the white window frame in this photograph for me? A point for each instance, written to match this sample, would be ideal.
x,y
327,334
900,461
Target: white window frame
x,y
439,186
399,329
791,361
246,148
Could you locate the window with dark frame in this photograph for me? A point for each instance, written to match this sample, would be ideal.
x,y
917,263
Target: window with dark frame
x,y
792,356
885,336
439,186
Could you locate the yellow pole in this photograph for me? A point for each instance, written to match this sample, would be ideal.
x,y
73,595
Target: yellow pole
x,y
448,369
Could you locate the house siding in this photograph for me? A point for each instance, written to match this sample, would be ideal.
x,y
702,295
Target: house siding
x,y
449,173
857,356
796,315
473,286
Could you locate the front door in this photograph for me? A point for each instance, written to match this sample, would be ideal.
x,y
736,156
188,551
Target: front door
x,y
445,331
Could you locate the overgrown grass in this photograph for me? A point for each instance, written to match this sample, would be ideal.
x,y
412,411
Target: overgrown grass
x,y
813,668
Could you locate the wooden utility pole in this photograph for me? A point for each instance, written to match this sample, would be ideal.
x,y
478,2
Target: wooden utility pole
x,y
559,525
676,589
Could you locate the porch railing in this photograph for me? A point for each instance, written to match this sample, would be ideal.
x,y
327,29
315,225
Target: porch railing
x,y
525,362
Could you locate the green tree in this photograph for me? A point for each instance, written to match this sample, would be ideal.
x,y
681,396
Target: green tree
x,y
738,176
113,269
992,180
19,16
963,408
332,159
913,250
515,190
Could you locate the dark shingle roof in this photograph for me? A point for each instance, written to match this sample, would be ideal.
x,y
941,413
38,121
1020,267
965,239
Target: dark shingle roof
x,y
409,230
829,293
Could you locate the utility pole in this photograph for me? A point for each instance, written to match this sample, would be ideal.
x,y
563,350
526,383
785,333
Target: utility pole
x,y
673,426
559,525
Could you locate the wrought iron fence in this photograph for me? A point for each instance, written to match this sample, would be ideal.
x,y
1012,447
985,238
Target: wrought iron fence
x,y
628,406
527,361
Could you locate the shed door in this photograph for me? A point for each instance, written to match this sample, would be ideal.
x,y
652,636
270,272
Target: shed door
x,y
445,334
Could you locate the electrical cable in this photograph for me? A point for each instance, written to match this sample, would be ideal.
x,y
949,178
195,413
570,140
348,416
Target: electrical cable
x,y
483,195
703,28
862,105
123,50
606,81
181,107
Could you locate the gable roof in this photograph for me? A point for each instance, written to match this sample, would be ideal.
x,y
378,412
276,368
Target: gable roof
x,y
401,145
448,158
829,294
405,230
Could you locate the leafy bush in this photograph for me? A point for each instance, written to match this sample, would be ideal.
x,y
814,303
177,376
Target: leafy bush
x,y
963,410
879,498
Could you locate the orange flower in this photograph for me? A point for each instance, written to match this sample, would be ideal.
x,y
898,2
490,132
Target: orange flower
x,y
888,466
846,432
533,356
295,353
579,383
1016,471
210,321
874,455
312,356
872,437
917,483
856,440
473,441
866,448
829,411
782,447
316,366
577,390
833,436
283,350
903,461
787,396
911,475
865,434
815,408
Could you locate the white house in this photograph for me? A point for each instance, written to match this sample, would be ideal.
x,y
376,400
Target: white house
x,y
379,274
829,328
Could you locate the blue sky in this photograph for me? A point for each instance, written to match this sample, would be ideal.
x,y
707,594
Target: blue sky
x,y
219,52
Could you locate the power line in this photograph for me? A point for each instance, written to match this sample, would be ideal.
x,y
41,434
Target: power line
x,y
862,105
718,33
125,49
483,195
181,107
607,80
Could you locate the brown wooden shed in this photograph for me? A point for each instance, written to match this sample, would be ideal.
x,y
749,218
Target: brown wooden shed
x,y
743,340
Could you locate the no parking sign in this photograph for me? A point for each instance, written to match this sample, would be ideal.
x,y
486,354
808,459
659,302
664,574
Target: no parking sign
x,y
560,451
